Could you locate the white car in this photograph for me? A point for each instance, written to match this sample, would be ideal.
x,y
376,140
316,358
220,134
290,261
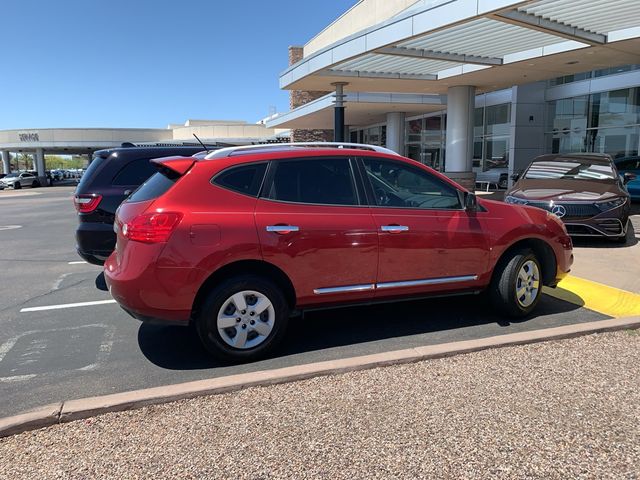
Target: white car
x,y
18,180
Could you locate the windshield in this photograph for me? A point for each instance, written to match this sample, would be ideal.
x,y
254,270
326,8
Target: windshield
x,y
578,169
11,175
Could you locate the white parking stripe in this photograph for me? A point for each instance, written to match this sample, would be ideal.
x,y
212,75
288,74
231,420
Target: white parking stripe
x,y
76,263
66,305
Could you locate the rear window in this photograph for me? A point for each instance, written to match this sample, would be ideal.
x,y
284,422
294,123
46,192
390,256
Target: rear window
x,y
93,166
134,173
156,186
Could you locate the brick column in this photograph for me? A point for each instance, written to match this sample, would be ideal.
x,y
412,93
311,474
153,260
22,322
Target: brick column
x,y
297,98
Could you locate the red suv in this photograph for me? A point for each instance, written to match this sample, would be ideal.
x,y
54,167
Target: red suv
x,y
237,241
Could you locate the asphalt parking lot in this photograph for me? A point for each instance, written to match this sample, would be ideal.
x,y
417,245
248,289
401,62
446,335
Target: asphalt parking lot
x,y
53,349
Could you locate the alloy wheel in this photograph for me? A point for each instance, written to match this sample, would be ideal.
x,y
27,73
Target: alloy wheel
x,y
246,319
528,283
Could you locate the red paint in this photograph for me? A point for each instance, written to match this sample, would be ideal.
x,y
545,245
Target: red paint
x,y
335,246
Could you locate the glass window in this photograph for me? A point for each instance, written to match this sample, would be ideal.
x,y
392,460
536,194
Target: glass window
x,y
398,185
632,163
155,186
134,173
243,179
498,119
326,181
570,168
414,130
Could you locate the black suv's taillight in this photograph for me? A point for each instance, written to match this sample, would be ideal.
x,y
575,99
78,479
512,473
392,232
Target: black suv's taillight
x,y
87,203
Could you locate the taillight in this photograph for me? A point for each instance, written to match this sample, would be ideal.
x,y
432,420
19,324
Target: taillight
x,y
151,227
87,203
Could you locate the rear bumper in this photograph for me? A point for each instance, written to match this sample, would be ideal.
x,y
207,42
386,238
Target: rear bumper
x,y
95,241
148,293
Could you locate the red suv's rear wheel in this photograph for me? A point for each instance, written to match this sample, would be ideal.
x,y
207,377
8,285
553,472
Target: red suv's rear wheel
x,y
243,318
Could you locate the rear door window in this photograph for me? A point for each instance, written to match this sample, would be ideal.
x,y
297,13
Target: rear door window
x,y
134,173
320,181
245,179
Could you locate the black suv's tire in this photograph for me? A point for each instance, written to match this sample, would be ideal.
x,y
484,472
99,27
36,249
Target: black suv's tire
x,y
507,286
220,305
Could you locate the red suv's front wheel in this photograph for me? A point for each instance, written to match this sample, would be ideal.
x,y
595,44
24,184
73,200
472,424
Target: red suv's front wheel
x,y
516,287
243,318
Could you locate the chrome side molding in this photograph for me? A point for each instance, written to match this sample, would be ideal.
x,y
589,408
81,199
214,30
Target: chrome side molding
x,y
407,283
427,281
349,288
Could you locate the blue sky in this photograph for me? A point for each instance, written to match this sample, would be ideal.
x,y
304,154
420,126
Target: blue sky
x,y
147,63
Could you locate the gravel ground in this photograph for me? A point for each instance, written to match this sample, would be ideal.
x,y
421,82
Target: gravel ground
x,y
568,409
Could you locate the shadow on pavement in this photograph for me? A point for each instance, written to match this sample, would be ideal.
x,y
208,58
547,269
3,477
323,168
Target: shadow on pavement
x,y
178,348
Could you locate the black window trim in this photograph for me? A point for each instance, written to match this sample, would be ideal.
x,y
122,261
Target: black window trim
x,y
241,165
371,196
268,180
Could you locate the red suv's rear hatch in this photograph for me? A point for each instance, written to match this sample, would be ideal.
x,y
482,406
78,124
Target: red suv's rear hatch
x,y
136,221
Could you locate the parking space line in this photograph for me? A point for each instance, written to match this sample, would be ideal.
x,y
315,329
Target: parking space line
x,y
77,263
66,305
596,296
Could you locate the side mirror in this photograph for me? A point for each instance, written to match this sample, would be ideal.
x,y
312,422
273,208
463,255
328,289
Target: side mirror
x,y
470,202
628,177
515,177
127,193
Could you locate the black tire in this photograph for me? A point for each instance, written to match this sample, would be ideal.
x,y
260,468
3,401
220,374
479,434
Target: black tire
x,y
504,283
17,186
206,318
35,184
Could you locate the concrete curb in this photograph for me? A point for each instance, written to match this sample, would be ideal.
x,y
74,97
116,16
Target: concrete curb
x,y
71,410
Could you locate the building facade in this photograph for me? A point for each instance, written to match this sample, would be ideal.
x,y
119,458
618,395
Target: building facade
x,y
478,88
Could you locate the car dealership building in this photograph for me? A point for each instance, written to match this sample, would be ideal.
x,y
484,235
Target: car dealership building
x,y
84,141
474,88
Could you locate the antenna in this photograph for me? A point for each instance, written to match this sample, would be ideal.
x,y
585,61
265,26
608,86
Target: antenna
x,y
200,142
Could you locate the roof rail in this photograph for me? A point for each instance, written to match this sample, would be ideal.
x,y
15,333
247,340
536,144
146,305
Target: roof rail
x,y
248,149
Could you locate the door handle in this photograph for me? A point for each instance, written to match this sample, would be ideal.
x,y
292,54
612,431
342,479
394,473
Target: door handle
x,y
394,228
282,229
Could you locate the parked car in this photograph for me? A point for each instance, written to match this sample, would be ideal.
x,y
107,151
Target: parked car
x,y
582,189
18,180
236,241
112,175
631,166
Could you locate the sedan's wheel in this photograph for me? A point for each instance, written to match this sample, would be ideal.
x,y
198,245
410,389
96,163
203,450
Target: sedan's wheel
x,y
35,184
243,318
516,286
17,186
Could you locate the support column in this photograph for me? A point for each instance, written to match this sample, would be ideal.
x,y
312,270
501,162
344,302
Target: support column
x,y
395,132
459,153
6,162
40,166
527,126
338,109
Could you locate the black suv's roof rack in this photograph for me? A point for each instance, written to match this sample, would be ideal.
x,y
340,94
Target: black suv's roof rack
x,y
275,147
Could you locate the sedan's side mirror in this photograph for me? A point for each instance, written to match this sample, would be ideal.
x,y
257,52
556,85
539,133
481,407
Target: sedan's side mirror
x,y
628,177
515,177
470,202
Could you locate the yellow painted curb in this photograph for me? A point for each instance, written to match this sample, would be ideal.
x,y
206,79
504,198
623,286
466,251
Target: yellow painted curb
x,y
596,296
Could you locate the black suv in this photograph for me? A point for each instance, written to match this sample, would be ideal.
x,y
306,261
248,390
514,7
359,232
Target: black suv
x,y
112,175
